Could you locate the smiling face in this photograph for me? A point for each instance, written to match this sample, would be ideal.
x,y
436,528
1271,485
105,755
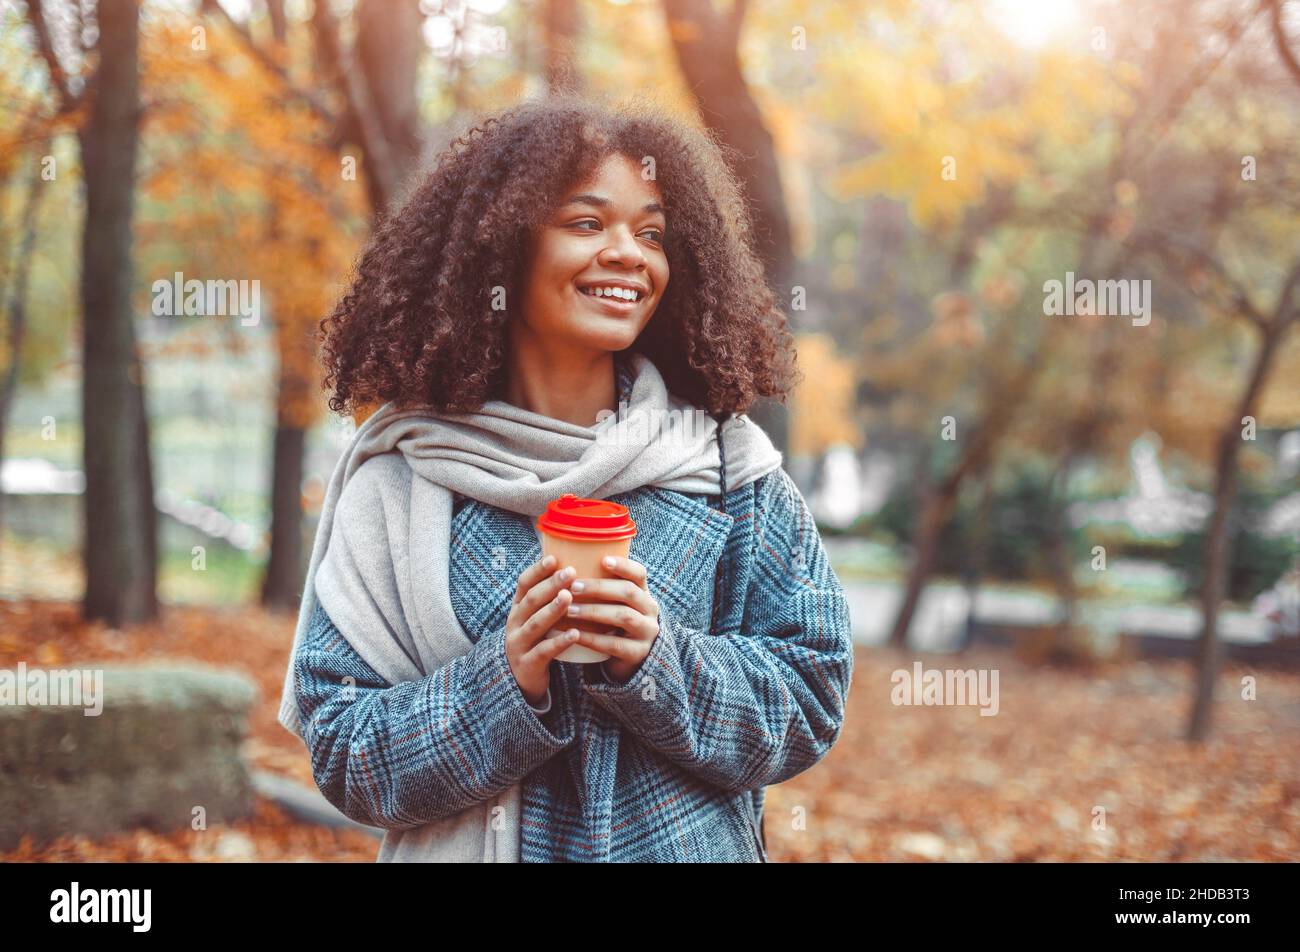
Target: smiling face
x,y
596,270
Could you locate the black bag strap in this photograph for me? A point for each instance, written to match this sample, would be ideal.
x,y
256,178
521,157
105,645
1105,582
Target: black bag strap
x,y
720,580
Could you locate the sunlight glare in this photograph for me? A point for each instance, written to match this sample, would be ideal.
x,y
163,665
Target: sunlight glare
x,y
1034,23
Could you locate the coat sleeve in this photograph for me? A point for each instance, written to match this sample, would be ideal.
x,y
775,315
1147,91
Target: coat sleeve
x,y
761,705
400,756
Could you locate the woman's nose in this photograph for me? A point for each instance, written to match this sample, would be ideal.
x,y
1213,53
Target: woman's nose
x,y
622,247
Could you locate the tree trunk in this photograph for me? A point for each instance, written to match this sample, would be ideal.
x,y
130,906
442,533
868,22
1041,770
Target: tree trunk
x,y
363,85
120,542
18,307
1062,555
977,556
282,583
378,83
1218,549
707,50
934,513
560,29
816,473
388,49
279,25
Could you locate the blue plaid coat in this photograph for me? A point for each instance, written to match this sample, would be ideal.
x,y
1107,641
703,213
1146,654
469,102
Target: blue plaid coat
x,y
744,686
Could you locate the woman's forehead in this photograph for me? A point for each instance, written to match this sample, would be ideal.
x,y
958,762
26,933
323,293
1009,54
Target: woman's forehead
x,y
620,178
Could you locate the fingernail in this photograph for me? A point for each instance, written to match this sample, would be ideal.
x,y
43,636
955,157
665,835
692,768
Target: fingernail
x,y
548,561
578,586
608,561
572,635
573,609
568,573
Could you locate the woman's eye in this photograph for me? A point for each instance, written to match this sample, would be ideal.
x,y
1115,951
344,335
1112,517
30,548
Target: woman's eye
x,y
657,235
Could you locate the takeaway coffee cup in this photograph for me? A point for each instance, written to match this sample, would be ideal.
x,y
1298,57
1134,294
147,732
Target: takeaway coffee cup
x,y
580,532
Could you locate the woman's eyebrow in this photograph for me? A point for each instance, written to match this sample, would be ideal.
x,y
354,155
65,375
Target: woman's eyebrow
x,y
600,201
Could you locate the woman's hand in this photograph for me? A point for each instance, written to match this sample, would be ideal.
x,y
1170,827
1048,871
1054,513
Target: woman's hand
x,y
541,596
621,603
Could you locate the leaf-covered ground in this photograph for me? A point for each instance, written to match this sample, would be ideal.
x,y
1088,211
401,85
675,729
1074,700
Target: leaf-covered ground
x,y
1074,766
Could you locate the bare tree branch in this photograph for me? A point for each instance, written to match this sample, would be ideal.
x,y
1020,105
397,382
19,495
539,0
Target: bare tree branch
x,y
380,169
1280,38
735,20
269,62
1180,253
1284,312
45,43
1161,123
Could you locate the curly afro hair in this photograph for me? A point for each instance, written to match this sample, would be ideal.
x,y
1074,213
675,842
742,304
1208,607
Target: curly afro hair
x,y
417,327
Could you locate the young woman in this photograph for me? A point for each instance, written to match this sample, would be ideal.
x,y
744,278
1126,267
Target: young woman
x,y
567,276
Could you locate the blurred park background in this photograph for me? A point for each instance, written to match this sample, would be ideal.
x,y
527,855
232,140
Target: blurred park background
x,y
1100,502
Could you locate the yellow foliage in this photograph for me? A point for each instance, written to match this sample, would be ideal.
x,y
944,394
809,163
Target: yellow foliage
x,y
822,409
939,143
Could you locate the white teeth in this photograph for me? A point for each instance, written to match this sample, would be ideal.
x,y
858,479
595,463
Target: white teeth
x,y
626,294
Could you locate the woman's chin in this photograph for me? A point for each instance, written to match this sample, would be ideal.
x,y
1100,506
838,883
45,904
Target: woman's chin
x,y
606,338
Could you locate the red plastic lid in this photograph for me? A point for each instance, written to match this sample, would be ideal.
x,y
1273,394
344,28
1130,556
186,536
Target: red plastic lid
x,y
586,520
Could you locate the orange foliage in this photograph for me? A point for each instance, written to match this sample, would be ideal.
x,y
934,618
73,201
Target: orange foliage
x,y
252,189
